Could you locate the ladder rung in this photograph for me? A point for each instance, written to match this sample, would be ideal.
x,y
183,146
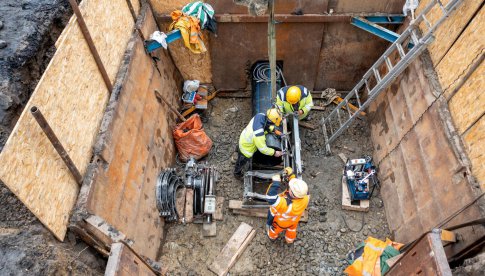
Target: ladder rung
x,y
400,50
377,75
388,63
358,98
367,86
428,24
414,37
339,118
348,108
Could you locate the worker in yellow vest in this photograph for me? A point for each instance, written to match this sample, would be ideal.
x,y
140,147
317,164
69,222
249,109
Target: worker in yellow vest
x,y
253,138
294,99
287,207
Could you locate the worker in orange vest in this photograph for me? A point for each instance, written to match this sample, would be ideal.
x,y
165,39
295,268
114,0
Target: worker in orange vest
x,y
287,207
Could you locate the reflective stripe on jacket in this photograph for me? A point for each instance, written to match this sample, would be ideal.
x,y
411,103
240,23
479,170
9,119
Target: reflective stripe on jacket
x,y
305,104
253,137
285,210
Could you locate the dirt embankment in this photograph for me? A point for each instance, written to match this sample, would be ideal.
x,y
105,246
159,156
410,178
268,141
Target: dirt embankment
x,y
28,31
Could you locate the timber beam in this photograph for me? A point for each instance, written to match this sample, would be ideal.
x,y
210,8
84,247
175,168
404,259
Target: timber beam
x,y
290,18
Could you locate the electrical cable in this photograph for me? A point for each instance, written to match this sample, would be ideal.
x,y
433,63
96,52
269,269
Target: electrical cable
x,y
361,226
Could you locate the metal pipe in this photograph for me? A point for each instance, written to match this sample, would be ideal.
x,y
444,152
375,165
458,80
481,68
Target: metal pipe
x,y
90,42
44,125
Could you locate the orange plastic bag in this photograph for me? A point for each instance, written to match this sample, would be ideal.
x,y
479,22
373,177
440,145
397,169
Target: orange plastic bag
x,y
191,140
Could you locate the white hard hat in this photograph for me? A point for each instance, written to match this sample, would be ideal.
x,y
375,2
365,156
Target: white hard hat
x,y
298,187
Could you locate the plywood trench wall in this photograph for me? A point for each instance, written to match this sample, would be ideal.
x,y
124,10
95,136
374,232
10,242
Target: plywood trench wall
x,y
428,147
117,200
72,96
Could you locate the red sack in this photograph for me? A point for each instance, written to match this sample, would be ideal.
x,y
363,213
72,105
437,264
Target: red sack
x,y
191,140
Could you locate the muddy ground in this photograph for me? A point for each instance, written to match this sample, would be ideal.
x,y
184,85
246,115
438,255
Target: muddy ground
x,y
28,31
322,243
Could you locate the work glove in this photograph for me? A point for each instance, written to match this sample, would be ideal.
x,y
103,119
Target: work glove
x,y
278,153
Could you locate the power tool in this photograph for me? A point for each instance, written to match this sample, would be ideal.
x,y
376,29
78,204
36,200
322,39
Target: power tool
x,y
361,175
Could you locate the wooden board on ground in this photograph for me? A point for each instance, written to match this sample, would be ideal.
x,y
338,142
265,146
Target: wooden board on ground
x,y
72,96
343,157
233,249
189,205
316,107
362,206
209,230
218,215
180,202
307,125
123,261
236,207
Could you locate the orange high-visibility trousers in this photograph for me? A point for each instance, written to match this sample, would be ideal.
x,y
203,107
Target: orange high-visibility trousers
x,y
275,230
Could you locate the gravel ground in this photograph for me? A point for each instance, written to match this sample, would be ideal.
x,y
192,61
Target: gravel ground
x,y
322,243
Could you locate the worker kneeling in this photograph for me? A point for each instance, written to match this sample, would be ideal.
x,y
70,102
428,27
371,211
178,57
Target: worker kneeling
x,y
253,138
286,208
295,99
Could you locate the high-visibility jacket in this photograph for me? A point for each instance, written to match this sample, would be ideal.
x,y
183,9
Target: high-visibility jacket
x,y
305,104
190,30
369,263
253,136
284,210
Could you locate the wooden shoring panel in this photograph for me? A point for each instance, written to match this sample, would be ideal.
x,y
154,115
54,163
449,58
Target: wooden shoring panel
x,y
72,97
448,32
475,146
134,144
467,105
467,50
123,261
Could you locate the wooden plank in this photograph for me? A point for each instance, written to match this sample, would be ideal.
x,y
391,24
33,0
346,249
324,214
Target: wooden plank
x,y
30,166
467,49
219,207
123,261
347,203
448,236
351,106
451,29
189,205
307,125
316,107
209,229
233,249
180,203
236,207
343,157
466,106
475,147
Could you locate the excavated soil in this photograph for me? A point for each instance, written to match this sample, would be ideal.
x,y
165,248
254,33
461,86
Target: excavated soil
x,y
322,243
28,31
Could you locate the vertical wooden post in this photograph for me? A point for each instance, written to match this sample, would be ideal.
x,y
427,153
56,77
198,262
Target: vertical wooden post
x,y
272,47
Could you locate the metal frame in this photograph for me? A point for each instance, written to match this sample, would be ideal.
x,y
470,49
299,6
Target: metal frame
x,y
363,89
375,29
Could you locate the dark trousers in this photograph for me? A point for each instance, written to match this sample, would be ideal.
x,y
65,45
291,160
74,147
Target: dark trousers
x,y
242,164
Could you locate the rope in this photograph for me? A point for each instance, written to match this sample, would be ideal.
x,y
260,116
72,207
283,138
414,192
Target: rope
x,y
262,73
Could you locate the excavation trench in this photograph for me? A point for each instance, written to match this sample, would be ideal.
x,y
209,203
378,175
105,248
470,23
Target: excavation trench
x,y
120,141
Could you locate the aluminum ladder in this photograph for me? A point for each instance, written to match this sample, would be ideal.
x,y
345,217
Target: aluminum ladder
x,y
410,44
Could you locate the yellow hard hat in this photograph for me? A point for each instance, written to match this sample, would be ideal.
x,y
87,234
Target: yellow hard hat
x,y
293,95
298,187
274,116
